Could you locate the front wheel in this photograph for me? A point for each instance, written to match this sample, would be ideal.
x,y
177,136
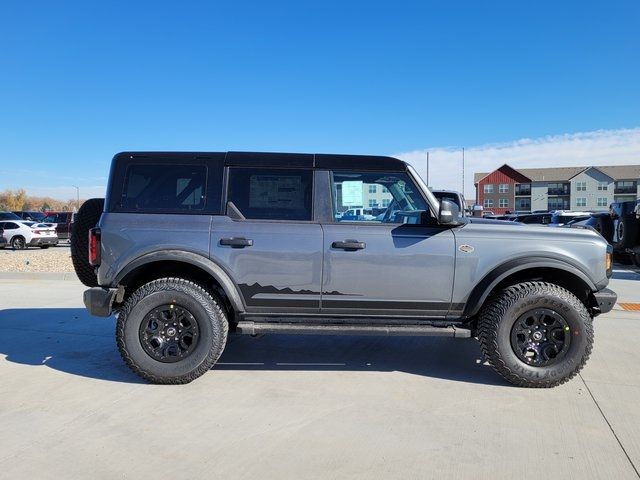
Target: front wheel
x,y
535,334
171,331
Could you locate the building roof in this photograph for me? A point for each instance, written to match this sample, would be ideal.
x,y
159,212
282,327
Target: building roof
x,y
564,174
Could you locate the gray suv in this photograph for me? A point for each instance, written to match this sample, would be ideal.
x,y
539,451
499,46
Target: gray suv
x,y
188,247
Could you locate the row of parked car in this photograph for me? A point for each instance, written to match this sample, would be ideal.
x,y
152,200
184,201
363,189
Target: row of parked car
x,y
620,225
21,230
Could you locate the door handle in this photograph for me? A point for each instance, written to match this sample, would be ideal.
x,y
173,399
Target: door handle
x,y
349,245
236,242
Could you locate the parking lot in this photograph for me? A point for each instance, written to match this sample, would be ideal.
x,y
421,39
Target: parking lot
x,y
303,407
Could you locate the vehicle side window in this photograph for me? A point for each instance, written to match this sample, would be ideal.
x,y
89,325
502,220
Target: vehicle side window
x,y
272,194
397,200
164,187
10,226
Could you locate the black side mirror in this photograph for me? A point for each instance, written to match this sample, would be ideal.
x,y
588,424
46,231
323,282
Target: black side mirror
x,y
449,213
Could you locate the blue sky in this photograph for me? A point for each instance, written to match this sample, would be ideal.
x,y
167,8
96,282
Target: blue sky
x,y
80,81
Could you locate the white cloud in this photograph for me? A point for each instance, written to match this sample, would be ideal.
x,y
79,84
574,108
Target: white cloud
x,y
601,147
67,193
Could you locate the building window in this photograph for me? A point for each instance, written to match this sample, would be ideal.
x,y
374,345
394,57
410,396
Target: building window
x,y
556,203
385,202
558,189
625,186
581,202
523,189
373,189
504,203
602,201
503,188
488,188
385,189
602,186
488,202
523,204
581,186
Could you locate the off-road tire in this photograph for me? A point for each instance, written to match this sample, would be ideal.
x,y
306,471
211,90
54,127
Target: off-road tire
x,y
19,243
628,228
604,226
502,310
210,316
86,218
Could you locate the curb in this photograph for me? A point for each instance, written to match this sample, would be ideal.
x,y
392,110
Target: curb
x,y
65,276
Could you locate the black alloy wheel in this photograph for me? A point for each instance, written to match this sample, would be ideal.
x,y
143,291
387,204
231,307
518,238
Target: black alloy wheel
x,y
169,333
540,337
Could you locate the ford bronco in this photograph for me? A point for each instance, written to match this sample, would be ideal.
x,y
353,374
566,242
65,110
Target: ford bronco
x,y
187,247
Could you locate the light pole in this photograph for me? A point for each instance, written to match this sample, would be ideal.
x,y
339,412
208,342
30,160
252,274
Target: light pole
x,y
77,196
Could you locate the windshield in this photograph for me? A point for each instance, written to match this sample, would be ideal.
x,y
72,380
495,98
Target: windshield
x,y
9,216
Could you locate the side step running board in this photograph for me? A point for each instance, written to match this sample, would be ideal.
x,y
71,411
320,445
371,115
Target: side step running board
x,y
253,328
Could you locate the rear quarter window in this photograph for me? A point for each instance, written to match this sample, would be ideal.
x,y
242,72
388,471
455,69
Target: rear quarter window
x,y
179,183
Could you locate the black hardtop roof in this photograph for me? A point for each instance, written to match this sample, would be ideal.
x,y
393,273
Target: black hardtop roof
x,y
273,159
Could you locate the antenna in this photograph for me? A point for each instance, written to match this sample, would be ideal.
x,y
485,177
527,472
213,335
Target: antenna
x,y
462,170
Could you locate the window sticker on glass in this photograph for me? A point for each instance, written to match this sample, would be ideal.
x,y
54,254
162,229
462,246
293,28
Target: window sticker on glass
x,y
352,193
275,191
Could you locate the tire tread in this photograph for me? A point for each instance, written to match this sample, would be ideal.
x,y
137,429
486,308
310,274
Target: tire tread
x,y
205,298
494,311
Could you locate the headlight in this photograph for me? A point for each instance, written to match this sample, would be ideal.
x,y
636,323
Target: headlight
x,y
609,261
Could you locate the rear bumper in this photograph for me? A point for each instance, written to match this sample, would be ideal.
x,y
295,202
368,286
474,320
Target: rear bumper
x,y
99,300
605,299
43,241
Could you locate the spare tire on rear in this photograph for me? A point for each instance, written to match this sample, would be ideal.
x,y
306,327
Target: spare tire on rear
x,y
604,226
86,218
628,227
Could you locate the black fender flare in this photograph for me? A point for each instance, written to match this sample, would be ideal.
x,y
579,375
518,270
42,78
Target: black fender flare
x,y
481,291
191,258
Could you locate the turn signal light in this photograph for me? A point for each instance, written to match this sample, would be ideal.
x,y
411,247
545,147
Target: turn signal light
x,y
94,246
609,261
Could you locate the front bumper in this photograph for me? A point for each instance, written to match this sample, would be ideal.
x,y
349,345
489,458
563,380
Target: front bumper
x,y
99,300
605,300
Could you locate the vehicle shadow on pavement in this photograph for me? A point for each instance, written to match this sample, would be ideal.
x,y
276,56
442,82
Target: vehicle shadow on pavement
x,y
65,339
436,357
72,341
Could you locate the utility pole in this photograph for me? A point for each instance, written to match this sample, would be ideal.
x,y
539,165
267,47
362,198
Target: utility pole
x,y
428,170
462,170
77,196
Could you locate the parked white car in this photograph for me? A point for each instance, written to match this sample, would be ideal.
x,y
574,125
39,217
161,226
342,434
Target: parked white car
x,y
22,234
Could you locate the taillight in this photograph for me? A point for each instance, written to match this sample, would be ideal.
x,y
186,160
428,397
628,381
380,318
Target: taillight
x,y
94,246
37,232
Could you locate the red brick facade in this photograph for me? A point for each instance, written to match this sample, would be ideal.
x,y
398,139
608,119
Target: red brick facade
x,y
492,200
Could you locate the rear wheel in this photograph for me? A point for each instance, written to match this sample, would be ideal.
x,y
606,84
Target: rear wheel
x,y
535,334
171,331
86,218
18,243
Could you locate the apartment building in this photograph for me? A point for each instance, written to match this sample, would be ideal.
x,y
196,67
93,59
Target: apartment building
x,y
563,188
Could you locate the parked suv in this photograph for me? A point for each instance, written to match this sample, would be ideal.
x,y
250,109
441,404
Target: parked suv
x,y
189,246
62,221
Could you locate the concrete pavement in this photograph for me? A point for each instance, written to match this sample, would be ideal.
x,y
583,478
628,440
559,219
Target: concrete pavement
x,y
304,407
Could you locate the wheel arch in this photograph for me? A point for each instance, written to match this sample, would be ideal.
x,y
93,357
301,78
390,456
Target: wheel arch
x,y
551,270
183,264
